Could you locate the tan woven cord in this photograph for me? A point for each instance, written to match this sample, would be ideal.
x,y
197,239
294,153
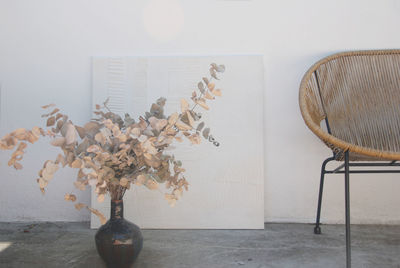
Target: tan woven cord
x,y
359,93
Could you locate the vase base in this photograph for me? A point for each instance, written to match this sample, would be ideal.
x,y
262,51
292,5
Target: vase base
x,y
119,241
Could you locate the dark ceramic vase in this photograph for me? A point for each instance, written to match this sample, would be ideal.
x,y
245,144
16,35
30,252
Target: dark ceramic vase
x,y
118,241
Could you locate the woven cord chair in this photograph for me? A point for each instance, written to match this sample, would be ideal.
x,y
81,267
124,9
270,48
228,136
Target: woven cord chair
x,y
351,101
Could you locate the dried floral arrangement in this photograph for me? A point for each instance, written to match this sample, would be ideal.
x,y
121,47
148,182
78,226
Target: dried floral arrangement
x,y
112,152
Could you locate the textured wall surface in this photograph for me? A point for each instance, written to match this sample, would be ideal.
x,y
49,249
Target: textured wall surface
x,y
45,56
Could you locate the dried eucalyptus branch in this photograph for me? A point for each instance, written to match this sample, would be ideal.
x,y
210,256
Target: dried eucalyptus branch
x,y
112,153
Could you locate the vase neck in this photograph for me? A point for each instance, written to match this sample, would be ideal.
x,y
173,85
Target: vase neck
x,y
117,209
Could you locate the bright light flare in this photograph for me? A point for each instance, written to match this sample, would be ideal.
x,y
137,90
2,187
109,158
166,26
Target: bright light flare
x,y
4,245
163,19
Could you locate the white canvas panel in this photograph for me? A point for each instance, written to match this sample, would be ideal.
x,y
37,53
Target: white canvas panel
x,y
226,183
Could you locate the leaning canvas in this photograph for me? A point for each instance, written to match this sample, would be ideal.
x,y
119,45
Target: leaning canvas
x,y
226,188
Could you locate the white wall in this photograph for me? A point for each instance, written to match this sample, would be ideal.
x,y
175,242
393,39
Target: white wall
x,y
45,50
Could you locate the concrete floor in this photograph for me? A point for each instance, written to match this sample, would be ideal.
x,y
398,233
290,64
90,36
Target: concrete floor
x,y
279,245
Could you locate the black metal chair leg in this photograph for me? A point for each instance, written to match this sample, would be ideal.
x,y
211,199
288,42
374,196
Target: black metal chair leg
x,y
347,202
317,228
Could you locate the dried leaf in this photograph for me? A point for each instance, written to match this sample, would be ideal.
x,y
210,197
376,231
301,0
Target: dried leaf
x,y
92,182
211,86
99,138
135,133
70,157
218,68
178,193
77,163
42,183
17,166
202,104
140,180
148,147
48,106
81,174
148,156
124,182
36,131
157,124
100,198
51,121
79,206
108,123
142,138
190,118
217,92
54,111
83,146
58,141
184,105
207,95
200,126
195,139
61,159
157,111
81,131
182,126
16,154
49,169
161,101
161,124
151,184
93,149
173,118
213,73
21,146
102,218
70,135
59,126
79,185
30,137
70,197
206,132
122,138
91,128
171,199
58,116
201,87
19,133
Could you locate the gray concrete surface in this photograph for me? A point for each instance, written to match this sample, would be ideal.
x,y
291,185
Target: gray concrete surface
x,y
279,245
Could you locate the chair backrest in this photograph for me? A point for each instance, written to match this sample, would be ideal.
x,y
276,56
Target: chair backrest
x,y
359,94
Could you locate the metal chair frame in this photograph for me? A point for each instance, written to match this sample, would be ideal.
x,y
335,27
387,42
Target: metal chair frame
x,y
345,169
